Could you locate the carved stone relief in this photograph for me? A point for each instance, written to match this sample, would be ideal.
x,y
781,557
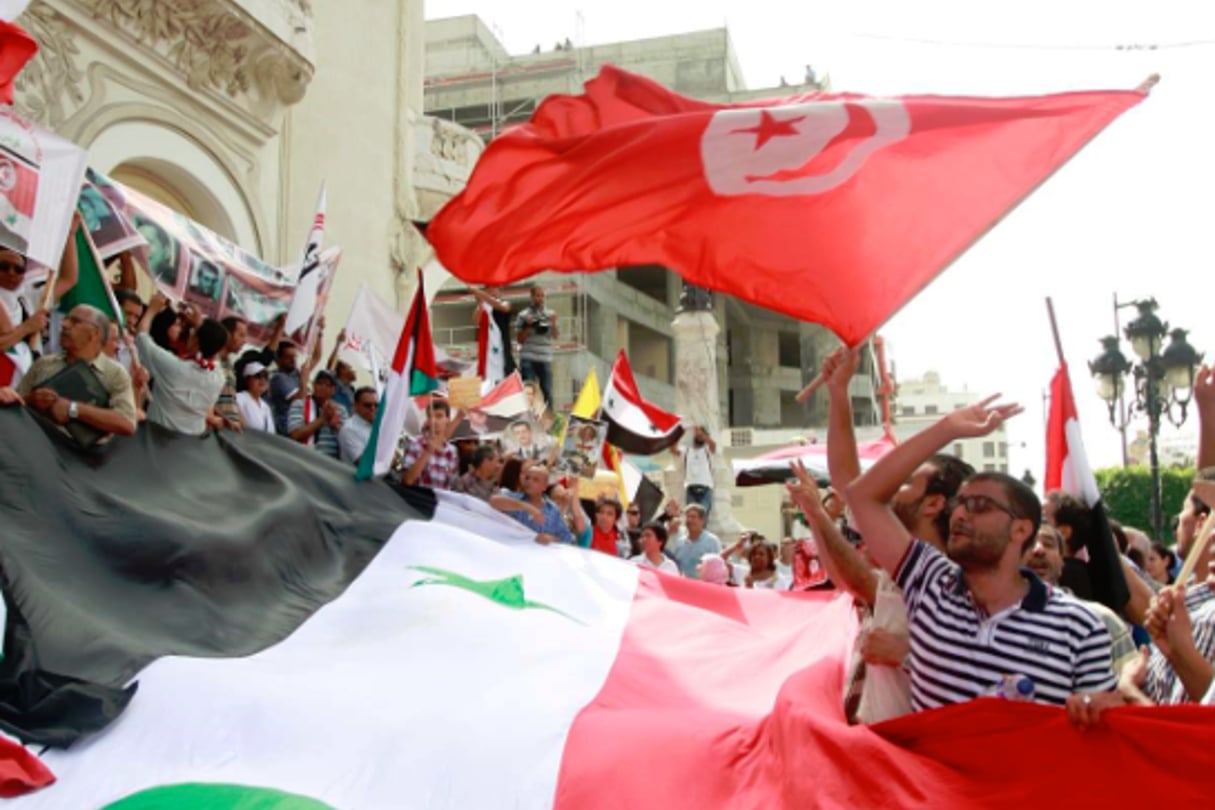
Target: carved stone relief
x,y
50,87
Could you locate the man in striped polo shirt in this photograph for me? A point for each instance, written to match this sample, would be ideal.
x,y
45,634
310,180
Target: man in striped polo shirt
x,y
976,616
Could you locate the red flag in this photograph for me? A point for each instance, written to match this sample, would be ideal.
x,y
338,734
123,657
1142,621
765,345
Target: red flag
x,y
853,203
16,48
742,692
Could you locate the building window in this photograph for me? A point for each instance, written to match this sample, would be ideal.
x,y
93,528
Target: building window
x,y
907,410
989,468
930,410
989,449
789,349
1003,449
957,449
1004,469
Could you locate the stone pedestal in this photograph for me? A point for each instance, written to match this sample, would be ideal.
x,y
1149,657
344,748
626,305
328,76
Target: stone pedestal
x,y
697,400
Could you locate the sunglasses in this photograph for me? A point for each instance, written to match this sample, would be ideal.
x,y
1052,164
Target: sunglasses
x,y
13,267
981,505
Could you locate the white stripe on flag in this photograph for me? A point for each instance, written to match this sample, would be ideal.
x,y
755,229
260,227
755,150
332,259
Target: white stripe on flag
x,y
364,704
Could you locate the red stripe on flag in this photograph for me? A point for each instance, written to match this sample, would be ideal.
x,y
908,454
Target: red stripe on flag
x,y
1062,409
721,697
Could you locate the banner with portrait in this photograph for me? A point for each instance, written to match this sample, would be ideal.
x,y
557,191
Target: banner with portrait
x,y
192,264
582,447
101,204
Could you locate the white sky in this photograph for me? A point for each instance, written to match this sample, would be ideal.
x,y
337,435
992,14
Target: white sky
x,y
1132,214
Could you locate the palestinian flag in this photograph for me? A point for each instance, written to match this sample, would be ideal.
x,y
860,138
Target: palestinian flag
x,y
412,374
466,666
634,425
1067,469
92,286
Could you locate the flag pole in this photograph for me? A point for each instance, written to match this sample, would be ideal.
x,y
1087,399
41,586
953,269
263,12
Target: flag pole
x,y
1054,330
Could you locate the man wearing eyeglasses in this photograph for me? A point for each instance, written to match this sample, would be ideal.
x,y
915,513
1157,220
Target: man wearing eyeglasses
x,y
354,435
976,615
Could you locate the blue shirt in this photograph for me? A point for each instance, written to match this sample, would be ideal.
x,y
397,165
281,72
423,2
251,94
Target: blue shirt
x,y
553,524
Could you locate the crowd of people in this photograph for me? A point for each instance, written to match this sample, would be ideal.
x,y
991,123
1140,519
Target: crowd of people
x,y
967,584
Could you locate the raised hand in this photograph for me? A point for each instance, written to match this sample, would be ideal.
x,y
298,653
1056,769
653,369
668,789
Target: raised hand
x,y
803,490
839,367
1204,389
981,418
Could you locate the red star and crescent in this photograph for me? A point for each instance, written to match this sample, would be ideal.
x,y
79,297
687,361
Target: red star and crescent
x,y
770,127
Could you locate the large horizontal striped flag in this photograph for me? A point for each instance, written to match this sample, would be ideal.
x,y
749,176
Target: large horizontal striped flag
x,y
468,667
635,425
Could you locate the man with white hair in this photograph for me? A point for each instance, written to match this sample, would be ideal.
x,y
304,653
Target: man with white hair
x,y
79,388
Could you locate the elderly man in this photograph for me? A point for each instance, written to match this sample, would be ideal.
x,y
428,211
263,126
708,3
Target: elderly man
x,y
977,618
56,386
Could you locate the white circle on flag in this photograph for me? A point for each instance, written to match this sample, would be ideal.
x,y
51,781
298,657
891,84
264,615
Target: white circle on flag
x,y
795,149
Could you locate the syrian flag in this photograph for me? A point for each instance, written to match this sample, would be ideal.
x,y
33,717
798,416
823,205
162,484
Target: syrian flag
x,y
1067,469
468,667
413,373
501,405
734,197
491,357
308,283
634,425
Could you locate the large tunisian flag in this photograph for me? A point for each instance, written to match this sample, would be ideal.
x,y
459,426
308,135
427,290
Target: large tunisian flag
x,y
851,204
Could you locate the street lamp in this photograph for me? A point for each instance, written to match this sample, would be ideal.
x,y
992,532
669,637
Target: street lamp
x,y
1163,382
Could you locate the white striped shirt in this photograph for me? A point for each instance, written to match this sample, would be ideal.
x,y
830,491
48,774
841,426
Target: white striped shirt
x,y
1162,684
959,653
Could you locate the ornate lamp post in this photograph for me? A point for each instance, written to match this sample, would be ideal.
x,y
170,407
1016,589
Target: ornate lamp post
x,y
1163,382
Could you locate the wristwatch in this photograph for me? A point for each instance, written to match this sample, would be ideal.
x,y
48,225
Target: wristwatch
x,y
73,410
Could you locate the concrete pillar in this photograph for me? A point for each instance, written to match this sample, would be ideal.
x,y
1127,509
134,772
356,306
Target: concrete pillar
x,y
698,400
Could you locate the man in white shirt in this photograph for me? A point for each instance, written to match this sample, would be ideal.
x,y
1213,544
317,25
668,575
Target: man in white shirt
x,y
186,389
698,469
354,435
653,538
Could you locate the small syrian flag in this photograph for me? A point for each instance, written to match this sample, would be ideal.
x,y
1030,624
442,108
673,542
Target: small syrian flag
x,y
413,373
308,284
491,356
1067,469
634,425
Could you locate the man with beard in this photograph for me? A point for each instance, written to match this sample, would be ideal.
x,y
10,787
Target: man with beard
x,y
977,618
877,687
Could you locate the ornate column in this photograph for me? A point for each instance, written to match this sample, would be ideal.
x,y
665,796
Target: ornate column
x,y
698,399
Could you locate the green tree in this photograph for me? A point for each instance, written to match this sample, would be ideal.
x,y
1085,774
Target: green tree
x,y
1127,494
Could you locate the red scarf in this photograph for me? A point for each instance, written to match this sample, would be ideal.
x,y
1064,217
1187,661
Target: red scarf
x,y
204,363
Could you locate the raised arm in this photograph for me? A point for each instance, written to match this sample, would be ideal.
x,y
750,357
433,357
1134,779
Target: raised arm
x,y
869,496
842,461
69,265
485,297
844,564
1204,398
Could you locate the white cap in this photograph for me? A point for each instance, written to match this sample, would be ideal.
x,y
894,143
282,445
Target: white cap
x,y
254,368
